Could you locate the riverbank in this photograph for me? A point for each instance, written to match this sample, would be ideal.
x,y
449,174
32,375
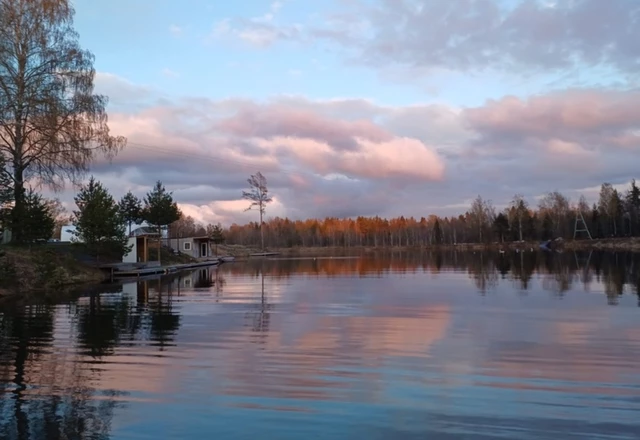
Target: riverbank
x,y
41,269
55,269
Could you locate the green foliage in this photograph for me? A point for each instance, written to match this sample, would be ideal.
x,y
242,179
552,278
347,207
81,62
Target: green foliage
x,y
633,195
216,233
49,271
159,208
8,271
501,226
37,223
437,233
130,209
99,223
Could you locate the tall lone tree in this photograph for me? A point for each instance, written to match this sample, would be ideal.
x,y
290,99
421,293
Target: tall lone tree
x,y
160,210
258,195
131,209
98,221
52,125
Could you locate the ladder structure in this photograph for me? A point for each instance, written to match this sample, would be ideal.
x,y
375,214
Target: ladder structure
x,y
580,228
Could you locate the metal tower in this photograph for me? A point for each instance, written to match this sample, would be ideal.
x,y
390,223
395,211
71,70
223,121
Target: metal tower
x,y
583,228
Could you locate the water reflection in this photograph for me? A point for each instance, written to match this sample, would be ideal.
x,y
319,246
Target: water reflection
x,y
614,273
447,344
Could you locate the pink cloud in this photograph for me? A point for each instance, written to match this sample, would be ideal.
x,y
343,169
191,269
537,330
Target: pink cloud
x,y
271,121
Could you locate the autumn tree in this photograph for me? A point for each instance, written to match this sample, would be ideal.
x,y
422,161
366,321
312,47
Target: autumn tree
x,y
131,209
52,125
481,215
216,233
159,209
185,226
258,195
38,223
557,207
99,223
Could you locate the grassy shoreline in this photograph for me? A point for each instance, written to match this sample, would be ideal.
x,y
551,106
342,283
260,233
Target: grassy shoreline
x,y
42,270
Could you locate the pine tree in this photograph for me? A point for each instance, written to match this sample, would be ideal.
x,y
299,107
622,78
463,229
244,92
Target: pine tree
x,y
159,209
217,235
38,223
99,223
501,226
632,202
130,209
437,233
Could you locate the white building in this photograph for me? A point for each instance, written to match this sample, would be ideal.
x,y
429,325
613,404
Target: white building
x,y
67,233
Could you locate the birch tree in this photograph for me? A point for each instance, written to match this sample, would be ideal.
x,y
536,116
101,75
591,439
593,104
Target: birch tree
x,y
52,125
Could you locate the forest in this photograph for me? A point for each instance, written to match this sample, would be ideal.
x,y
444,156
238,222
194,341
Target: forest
x,y
616,214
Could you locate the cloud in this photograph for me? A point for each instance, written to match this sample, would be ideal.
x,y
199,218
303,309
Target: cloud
x,y
261,32
170,73
477,34
566,122
176,30
524,36
351,157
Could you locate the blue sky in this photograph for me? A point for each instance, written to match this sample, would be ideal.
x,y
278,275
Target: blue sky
x,y
444,100
182,51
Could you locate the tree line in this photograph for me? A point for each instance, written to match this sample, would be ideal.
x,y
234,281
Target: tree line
x,y
615,214
101,223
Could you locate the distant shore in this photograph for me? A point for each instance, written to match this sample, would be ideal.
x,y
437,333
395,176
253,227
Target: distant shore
x,y
623,244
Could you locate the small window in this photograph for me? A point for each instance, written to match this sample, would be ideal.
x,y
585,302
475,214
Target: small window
x,y
187,245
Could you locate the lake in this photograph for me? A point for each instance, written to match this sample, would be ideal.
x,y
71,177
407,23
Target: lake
x,y
408,346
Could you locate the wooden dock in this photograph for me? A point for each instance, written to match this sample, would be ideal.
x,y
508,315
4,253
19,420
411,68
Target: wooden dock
x,y
264,254
136,270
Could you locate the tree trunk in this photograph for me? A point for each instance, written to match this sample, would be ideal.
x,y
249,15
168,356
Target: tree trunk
x,y
159,244
17,213
261,230
520,226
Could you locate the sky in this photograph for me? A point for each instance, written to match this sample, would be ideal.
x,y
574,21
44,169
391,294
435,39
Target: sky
x,y
366,107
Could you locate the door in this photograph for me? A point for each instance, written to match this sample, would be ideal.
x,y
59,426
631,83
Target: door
x,y
203,249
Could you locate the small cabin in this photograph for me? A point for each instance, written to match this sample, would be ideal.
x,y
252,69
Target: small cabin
x,y
196,247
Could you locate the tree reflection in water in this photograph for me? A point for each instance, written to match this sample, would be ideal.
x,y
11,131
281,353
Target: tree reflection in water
x,y
556,272
51,357
51,395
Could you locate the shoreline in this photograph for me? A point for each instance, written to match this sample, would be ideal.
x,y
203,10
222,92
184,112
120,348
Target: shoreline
x,y
624,244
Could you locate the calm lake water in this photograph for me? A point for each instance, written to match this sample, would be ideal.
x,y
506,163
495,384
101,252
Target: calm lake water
x,y
437,346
